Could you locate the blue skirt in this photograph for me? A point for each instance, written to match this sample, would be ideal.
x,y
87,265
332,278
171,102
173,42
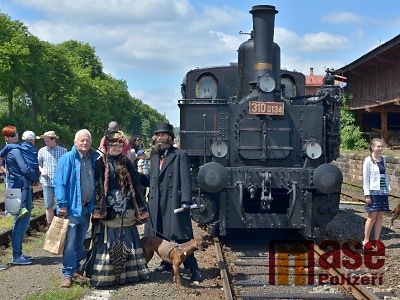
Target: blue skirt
x,y
379,203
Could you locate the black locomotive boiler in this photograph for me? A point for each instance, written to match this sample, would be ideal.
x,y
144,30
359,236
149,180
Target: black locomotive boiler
x,y
259,149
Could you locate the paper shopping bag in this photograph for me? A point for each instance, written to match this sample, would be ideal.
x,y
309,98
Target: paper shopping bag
x,y
12,202
56,235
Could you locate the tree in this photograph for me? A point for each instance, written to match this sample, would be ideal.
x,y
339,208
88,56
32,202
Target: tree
x,y
351,135
14,54
146,132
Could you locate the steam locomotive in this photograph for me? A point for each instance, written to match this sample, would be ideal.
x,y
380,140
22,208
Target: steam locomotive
x,y
259,149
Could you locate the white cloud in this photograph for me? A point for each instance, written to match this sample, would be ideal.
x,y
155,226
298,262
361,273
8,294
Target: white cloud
x,y
343,17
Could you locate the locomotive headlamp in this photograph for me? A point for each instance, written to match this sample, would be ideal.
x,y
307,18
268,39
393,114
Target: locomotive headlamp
x,y
313,150
219,149
267,84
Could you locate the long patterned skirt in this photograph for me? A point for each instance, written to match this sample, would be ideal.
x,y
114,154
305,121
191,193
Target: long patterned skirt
x,y
100,265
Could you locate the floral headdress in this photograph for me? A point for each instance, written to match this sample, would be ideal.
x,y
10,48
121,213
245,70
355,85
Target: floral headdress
x,y
115,138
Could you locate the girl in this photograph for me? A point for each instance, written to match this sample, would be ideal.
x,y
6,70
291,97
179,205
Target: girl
x,y
376,189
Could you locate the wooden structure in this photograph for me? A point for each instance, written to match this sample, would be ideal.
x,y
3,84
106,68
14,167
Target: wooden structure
x,y
373,83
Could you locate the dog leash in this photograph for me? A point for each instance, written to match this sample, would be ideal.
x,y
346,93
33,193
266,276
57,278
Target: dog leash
x,y
152,227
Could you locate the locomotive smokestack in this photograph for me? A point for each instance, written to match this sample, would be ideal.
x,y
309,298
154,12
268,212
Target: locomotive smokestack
x,y
263,27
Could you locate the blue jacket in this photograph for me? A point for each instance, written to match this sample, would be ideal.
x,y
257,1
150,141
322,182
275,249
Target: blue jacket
x,y
29,153
19,174
67,182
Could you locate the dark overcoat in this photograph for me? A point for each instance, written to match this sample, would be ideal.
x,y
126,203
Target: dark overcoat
x,y
169,188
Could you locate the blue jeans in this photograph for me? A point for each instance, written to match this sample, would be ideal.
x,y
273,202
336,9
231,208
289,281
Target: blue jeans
x,y
21,225
74,245
48,195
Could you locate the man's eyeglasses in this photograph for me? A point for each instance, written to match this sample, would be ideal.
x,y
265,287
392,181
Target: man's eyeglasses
x,y
14,134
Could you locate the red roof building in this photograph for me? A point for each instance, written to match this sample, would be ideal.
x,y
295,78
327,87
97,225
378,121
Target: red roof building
x,y
313,83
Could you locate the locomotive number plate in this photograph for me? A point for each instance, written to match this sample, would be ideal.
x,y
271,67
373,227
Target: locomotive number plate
x,y
266,108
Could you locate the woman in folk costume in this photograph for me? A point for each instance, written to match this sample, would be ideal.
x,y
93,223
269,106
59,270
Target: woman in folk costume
x,y
116,256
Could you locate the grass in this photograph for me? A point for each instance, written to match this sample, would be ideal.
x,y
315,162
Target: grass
x,y
8,222
2,189
55,292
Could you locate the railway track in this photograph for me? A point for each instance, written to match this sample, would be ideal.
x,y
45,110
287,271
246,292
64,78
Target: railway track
x,y
285,269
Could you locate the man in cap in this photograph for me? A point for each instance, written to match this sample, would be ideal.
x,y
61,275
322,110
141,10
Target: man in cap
x,y
19,176
113,126
29,154
170,188
48,157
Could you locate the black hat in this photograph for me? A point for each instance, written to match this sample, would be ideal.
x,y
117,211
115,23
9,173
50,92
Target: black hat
x,y
165,127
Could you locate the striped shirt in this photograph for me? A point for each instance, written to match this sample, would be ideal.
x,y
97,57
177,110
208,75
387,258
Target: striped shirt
x,y
48,158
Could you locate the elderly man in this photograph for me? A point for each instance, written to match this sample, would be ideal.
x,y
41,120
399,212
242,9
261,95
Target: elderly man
x,y
170,188
74,187
48,157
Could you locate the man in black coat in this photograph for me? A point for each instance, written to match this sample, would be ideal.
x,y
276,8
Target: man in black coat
x,y
170,188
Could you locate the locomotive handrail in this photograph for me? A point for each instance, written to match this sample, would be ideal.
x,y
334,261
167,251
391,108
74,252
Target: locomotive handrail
x,y
203,100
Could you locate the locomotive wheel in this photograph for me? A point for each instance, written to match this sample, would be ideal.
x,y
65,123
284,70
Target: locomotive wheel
x,y
206,212
325,208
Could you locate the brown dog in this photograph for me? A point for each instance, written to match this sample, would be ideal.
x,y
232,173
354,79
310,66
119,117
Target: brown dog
x,y
396,213
171,252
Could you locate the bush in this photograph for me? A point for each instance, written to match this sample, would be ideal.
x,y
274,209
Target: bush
x,y
351,134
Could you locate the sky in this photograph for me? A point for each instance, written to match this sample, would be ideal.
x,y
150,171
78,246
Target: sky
x,y
152,44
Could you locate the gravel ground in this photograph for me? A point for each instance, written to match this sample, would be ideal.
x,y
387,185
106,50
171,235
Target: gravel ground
x,y
19,281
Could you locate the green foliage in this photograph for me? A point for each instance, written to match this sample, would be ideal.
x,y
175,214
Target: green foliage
x,y
351,134
63,88
147,133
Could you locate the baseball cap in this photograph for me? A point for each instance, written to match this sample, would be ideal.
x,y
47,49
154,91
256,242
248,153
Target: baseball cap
x,y
29,135
140,152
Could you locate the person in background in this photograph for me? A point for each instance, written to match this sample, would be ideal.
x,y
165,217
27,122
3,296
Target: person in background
x,y
135,142
152,144
170,188
74,187
48,157
113,126
143,162
19,176
376,191
29,153
119,206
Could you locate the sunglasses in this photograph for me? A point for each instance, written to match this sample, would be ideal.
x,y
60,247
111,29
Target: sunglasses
x,y
14,134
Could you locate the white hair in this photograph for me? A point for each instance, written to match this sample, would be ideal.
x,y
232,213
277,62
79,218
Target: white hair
x,y
82,131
